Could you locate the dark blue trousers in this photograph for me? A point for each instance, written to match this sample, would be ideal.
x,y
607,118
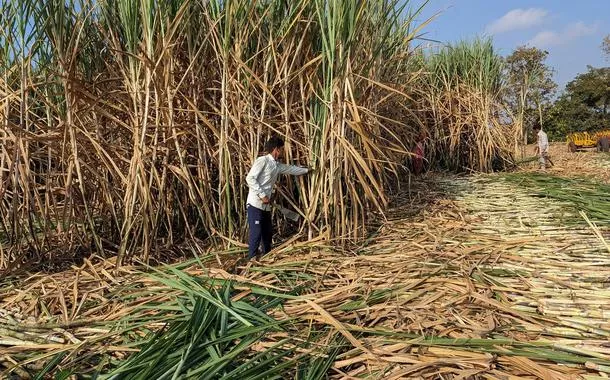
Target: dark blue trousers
x,y
261,229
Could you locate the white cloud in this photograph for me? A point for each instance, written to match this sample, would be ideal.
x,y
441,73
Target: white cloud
x,y
546,38
517,19
570,33
579,29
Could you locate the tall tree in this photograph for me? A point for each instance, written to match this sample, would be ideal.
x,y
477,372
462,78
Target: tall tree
x,y
530,87
592,89
584,106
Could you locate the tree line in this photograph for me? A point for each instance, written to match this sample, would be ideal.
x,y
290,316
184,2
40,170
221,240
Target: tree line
x,y
532,95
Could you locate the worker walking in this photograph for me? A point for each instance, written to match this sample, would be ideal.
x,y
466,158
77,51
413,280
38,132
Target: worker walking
x,y
261,179
542,148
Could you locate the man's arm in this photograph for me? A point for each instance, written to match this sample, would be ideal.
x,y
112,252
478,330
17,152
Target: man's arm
x,y
291,169
252,178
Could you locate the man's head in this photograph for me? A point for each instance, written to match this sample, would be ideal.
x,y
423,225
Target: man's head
x,y
537,127
275,147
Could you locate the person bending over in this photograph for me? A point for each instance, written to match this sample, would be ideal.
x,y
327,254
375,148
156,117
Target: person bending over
x,y
260,179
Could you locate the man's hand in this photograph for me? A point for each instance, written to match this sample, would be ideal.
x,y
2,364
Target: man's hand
x,y
265,200
310,170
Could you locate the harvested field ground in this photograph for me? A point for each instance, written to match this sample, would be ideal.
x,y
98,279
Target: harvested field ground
x,y
481,277
587,164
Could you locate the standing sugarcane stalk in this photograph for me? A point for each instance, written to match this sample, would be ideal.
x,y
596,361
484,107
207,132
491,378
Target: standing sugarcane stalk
x,y
165,104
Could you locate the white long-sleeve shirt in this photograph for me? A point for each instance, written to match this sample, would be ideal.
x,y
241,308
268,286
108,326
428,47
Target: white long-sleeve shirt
x,y
262,177
543,142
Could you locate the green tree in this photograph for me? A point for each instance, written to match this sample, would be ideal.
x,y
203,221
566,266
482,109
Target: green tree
x,y
530,88
584,106
592,89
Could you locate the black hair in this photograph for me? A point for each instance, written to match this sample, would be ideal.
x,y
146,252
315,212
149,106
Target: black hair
x,y
536,126
274,142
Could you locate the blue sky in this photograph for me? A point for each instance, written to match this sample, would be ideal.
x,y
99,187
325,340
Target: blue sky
x,y
571,31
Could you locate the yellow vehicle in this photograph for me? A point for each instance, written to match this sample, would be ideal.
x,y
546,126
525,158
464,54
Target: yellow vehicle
x,y
585,140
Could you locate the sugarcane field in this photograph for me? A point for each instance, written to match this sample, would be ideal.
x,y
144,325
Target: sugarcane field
x,y
304,189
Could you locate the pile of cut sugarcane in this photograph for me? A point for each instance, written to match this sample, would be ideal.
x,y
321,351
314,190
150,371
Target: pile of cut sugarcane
x,y
494,276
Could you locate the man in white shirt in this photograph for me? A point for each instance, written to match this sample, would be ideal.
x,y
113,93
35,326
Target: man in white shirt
x,y
542,149
260,179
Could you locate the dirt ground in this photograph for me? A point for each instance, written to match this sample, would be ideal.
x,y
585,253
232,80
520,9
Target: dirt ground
x,y
587,163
